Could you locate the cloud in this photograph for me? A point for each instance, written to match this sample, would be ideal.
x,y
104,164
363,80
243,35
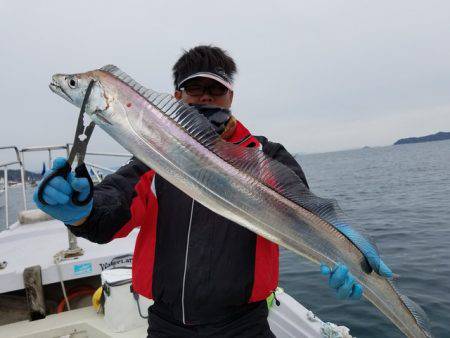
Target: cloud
x,y
315,76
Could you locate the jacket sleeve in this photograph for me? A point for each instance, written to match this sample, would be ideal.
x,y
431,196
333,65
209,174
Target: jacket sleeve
x,y
279,153
120,203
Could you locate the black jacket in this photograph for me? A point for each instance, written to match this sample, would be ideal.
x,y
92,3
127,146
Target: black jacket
x,y
198,266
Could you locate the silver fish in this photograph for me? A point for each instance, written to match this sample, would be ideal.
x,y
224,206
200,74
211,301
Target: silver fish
x,y
241,184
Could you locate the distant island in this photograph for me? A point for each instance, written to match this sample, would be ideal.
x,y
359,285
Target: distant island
x,y
429,138
14,175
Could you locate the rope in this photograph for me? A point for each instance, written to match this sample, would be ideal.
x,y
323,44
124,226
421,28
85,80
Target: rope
x,y
57,260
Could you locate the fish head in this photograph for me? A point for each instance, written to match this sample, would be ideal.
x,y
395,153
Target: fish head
x,y
73,88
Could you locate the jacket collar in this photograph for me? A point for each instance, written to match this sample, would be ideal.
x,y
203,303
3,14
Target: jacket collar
x,y
237,133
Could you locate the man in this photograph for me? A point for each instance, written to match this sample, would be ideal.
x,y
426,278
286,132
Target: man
x,y
207,275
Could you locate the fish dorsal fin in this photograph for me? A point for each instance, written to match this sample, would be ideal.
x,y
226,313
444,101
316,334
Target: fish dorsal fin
x,y
185,116
124,77
251,161
416,311
268,171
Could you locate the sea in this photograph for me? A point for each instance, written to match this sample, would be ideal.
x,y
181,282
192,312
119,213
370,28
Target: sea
x,y
401,196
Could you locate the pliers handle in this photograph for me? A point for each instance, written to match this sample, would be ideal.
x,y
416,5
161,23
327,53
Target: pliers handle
x,y
80,172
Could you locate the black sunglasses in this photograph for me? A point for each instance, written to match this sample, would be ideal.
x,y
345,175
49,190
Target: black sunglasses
x,y
215,89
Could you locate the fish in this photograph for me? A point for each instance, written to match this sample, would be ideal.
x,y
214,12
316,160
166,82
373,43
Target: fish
x,y
239,183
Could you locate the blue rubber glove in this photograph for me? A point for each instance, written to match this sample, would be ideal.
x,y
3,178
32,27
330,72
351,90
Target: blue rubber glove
x,y
342,282
58,194
366,248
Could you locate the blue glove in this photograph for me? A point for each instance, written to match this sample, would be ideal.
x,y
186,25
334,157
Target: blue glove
x,y
58,194
342,282
366,248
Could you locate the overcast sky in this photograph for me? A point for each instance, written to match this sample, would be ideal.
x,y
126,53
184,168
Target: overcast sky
x,y
314,75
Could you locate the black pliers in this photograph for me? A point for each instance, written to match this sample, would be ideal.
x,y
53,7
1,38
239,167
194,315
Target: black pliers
x,y
82,136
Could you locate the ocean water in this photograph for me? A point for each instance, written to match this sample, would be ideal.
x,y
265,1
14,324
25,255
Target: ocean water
x,y
401,195
15,203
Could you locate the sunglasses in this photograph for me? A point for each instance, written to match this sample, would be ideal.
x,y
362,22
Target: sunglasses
x,y
215,89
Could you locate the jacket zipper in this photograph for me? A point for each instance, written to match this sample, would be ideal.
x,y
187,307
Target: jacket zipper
x,y
185,263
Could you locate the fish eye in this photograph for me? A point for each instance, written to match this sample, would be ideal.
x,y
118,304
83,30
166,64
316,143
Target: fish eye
x,y
72,82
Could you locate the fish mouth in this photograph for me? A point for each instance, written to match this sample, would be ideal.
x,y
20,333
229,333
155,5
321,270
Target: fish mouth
x,y
57,89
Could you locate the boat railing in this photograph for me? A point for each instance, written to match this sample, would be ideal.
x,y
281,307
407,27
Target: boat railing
x,y
20,161
5,166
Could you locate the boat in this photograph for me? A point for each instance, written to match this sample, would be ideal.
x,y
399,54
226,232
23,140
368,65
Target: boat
x,y
48,277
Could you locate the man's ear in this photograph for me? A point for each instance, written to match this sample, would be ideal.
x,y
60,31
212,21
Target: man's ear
x,y
177,94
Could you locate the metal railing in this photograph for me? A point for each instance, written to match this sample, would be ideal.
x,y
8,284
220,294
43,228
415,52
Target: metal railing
x,y
20,155
5,180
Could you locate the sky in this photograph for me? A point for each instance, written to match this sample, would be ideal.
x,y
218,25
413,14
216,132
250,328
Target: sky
x,y
316,76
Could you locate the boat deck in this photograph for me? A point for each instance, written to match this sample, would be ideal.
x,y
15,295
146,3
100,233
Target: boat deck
x,y
84,322
288,320
28,245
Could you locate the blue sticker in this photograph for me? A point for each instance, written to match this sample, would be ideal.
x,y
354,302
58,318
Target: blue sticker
x,y
82,269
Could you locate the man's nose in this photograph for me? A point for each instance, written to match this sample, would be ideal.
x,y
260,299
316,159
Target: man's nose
x,y
206,98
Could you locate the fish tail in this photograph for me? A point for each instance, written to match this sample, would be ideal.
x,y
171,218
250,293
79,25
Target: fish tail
x,y
416,311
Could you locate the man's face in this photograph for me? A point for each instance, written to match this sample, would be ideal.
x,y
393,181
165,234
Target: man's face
x,y
205,91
